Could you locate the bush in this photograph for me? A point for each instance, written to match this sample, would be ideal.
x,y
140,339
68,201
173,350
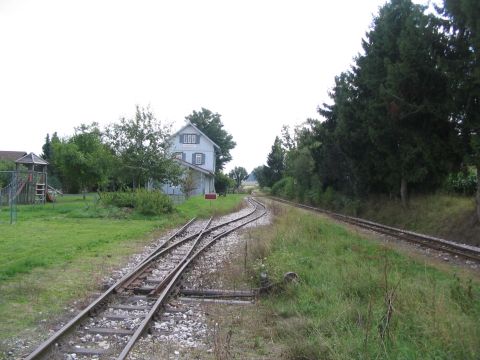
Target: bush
x,y
222,182
328,198
152,202
277,188
284,188
462,183
267,190
121,199
54,182
5,178
145,202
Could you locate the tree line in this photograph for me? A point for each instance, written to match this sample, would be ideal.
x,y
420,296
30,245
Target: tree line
x,y
131,153
403,118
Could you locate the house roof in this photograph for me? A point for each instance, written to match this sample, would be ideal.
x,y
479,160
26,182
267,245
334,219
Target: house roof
x,y
12,155
31,159
194,167
201,133
251,177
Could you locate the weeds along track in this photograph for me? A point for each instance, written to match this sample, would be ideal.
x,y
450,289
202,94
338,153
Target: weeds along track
x,y
109,327
464,251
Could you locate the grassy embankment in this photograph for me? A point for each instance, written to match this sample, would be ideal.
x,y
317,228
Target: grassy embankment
x,y
448,216
356,299
59,252
444,215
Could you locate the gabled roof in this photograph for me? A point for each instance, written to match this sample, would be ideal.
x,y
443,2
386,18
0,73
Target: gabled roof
x,y
251,177
194,167
12,155
201,133
31,159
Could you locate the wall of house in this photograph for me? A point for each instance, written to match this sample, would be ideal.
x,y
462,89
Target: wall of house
x,y
204,147
205,184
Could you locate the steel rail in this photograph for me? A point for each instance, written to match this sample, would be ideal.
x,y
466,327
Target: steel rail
x,y
467,251
174,278
167,278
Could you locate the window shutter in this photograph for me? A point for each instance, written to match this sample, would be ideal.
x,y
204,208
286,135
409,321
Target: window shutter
x,y
182,139
197,140
193,158
184,156
203,159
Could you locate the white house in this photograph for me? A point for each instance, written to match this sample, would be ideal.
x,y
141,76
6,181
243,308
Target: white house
x,y
196,151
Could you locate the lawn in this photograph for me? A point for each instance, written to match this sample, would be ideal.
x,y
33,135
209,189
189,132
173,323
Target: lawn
x,y
59,252
358,299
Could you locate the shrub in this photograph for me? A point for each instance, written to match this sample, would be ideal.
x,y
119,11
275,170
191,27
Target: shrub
x,y
462,183
284,188
120,199
54,182
145,202
222,182
152,202
5,178
267,190
328,198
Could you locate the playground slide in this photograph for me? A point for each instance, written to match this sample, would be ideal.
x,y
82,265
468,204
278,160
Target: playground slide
x,y
20,188
50,197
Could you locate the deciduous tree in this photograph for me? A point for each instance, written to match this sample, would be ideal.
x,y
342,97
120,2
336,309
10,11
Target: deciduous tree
x,y
211,125
188,183
83,161
141,145
238,174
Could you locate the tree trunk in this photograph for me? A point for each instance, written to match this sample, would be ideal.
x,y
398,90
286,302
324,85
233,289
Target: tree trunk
x,y
478,192
404,192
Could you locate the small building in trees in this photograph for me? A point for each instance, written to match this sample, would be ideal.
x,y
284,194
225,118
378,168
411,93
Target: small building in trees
x,y
251,180
194,151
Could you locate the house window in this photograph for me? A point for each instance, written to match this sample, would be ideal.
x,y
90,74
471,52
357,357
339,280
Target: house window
x,y
178,155
189,138
198,159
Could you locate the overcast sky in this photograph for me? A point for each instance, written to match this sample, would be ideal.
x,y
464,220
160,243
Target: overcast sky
x,y
260,64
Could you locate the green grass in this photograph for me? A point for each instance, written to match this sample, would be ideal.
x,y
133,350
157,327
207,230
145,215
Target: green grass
x,y
197,206
59,252
449,216
338,309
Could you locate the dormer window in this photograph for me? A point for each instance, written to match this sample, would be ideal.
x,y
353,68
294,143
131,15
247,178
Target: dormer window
x,y
190,138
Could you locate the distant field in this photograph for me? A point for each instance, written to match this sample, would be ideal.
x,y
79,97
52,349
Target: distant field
x,y
57,252
358,299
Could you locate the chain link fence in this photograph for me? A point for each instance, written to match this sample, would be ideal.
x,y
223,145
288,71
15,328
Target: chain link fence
x,y
8,198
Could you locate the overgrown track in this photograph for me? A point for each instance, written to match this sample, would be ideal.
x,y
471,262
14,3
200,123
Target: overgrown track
x,y
465,251
110,325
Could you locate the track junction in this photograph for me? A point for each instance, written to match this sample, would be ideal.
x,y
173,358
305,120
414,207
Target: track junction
x,y
111,325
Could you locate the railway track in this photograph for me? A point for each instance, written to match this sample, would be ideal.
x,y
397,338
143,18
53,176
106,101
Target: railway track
x,y
465,251
110,326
